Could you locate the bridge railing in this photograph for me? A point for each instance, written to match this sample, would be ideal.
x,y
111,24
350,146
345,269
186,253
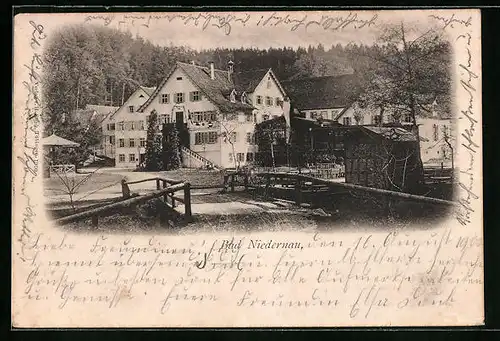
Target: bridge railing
x,y
345,197
170,187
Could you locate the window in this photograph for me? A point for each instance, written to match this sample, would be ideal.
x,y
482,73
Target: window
x,y
163,119
278,102
244,98
313,115
141,125
324,114
111,140
377,119
121,158
346,121
269,82
131,143
179,97
120,125
435,132
259,99
269,101
194,96
250,157
142,142
232,97
132,125
131,157
121,143
407,118
111,126
250,138
206,137
179,78
265,117
130,108
240,157
446,131
164,98
233,137
248,117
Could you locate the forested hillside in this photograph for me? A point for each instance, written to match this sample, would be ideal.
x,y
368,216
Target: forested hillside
x,y
87,64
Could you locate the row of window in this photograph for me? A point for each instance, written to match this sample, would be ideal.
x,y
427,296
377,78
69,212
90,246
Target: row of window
x,y
278,102
211,137
128,125
132,143
179,97
131,158
203,116
240,157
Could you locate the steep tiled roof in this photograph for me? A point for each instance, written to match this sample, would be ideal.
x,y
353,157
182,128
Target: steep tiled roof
x,y
247,81
392,133
323,92
102,111
148,91
217,90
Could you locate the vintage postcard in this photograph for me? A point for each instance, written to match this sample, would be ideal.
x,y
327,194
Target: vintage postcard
x,y
247,169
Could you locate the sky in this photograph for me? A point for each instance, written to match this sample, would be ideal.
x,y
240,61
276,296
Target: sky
x,y
200,30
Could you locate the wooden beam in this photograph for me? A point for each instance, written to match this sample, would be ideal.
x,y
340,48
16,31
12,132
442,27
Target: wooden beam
x,y
119,205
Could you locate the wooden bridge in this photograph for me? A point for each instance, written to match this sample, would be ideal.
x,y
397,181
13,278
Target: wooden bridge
x,y
165,189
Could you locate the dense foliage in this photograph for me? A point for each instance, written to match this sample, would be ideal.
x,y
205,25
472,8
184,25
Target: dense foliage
x,y
153,161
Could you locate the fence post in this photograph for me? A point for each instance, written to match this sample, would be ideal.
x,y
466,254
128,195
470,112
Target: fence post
x,y
157,184
245,181
187,201
95,220
165,195
232,182
125,189
268,185
298,190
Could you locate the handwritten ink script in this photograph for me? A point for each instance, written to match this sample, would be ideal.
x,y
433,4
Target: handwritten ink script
x,y
469,140
357,277
29,157
225,22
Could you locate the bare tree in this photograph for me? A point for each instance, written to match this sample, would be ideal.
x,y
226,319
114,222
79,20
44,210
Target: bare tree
x,y
228,135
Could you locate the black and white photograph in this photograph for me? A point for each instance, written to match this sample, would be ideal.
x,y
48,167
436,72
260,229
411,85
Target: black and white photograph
x,y
269,167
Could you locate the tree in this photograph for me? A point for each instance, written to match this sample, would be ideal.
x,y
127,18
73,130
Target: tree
x,y
228,134
153,160
171,147
409,69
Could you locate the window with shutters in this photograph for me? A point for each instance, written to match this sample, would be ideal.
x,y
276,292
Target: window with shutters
x,y
132,125
240,157
164,98
194,96
206,137
131,157
121,143
179,97
269,101
131,143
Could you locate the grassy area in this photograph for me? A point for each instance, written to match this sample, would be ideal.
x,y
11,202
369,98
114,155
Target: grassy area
x,y
195,177
80,183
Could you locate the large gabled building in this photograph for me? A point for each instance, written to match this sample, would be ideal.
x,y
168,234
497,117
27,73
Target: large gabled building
x,y
215,111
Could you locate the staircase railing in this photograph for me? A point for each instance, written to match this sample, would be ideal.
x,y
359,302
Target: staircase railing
x,y
199,157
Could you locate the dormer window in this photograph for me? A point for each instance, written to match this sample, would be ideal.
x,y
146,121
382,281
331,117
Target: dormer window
x,y
244,98
131,108
232,97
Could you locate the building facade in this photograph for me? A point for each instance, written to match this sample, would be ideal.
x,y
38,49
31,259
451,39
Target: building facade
x,y
215,111
127,130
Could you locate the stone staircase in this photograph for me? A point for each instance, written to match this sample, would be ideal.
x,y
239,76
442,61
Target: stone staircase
x,y
192,159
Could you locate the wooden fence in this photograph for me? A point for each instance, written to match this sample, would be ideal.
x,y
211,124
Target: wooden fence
x,y
165,188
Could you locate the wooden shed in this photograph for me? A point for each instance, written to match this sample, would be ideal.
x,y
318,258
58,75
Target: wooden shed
x,y
382,157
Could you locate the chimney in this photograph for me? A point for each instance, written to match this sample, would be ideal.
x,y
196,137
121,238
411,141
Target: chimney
x,y
230,69
212,70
